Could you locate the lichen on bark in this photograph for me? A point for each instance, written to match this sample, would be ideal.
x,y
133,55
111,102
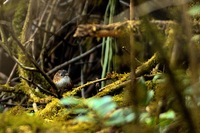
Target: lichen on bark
x,y
22,28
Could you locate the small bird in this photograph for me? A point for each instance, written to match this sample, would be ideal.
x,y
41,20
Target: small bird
x,y
62,81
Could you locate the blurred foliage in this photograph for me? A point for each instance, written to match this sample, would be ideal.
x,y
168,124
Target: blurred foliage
x,y
102,111
195,10
38,36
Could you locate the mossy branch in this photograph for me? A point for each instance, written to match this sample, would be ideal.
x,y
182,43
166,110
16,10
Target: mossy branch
x,y
122,81
120,28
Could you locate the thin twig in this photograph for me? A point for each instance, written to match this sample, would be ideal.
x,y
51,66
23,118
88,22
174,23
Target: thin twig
x,y
39,87
12,73
16,60
22,66
62,40
73,60
7,98
133,92
82,73
75,90
40,21
34,62
4,88
45,34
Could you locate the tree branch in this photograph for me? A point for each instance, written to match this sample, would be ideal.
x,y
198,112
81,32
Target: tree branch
x,y
118,29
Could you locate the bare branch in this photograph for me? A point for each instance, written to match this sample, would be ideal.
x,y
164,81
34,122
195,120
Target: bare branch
x,y
74,59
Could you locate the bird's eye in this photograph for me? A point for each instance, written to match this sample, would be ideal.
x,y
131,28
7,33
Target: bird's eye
x,y
63,73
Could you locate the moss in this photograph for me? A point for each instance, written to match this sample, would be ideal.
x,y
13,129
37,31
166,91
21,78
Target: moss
x,y
7,88
17,110
119,99
56,114
150,85
19,16
113,86
51,110
28,91
14,121
82,127
18,120
24,30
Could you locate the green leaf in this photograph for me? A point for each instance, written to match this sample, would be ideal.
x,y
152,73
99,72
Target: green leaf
x,y
102,105
150,95
119,117
70,101
115,122
195,10
106,108
130,117
165,122
196,38
80,111
158,78
84,118
97,102
142,91
147,118
168,115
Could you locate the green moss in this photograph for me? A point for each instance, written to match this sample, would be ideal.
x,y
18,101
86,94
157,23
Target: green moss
x,y
19,16
16,120
21,23
51,110
113,86
150,85
119,99
17,110
83,127
28,91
